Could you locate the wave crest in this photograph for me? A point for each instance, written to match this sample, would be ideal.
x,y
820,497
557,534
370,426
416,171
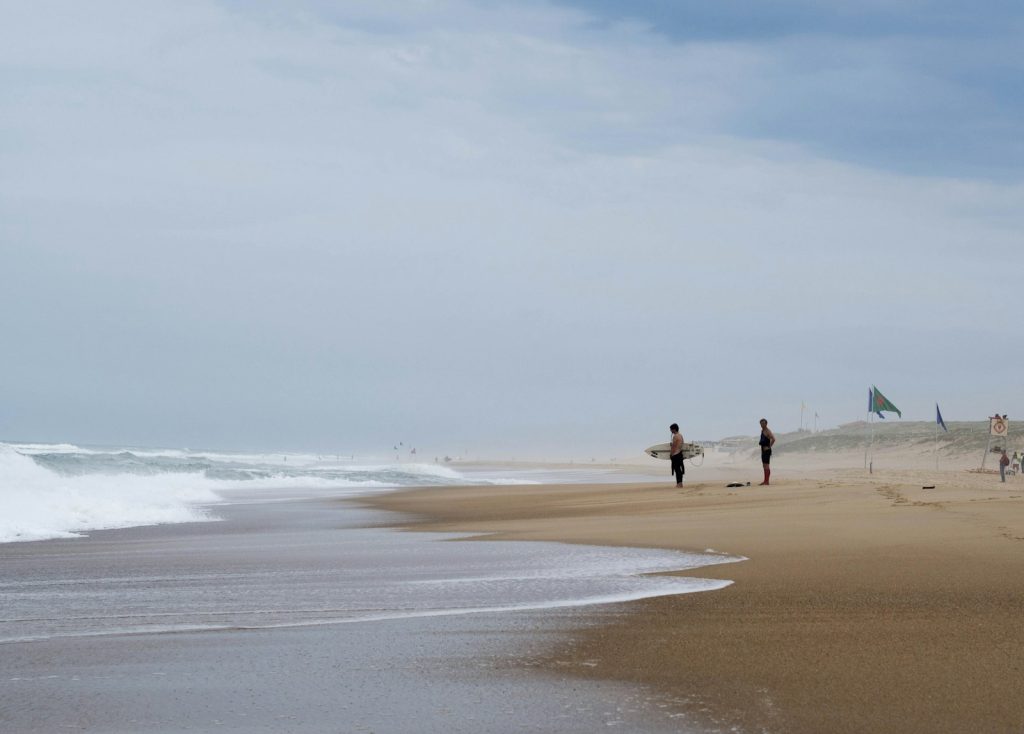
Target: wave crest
x,y
60,490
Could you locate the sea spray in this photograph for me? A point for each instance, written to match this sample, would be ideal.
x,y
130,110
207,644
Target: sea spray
x,y
61,490
38,503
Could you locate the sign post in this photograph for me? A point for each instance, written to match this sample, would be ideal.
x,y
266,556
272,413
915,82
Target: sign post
x,y
998,430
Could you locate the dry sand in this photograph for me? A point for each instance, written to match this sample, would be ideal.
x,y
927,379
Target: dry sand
x,y
868,604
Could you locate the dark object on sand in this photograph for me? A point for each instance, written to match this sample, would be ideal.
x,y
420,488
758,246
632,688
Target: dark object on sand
x,y
737,484
928,486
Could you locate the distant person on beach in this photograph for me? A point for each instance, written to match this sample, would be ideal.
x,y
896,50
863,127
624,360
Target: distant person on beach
x,y
1015,462
766,442
1004,461
676,454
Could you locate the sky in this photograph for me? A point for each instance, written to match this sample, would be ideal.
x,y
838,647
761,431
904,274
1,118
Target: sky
x,y
504,228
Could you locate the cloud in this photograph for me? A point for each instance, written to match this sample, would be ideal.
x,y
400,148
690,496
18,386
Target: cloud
x,y
232,224
925,87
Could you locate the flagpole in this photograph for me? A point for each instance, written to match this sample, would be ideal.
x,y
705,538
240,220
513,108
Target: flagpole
x,y
871,446
936,437
867,427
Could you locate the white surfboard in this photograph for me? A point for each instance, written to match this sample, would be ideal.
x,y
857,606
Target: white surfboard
x,y
664,450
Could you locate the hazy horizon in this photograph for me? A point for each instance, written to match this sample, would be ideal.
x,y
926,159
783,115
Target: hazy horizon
x,y
544,228
428,453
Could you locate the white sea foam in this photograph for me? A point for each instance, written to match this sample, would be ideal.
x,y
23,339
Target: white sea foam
x,y
49,448
386,575
62,490
38,503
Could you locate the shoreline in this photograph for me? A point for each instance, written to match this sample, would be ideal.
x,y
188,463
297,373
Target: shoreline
x,y
272,621
866,604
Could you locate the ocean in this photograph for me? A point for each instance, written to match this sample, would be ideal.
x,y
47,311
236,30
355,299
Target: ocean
x,y
171,551
59,490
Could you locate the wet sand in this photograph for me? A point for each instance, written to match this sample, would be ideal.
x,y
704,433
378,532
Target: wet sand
x,y
188,627
868,604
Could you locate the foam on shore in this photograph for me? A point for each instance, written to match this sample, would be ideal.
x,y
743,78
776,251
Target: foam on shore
x,y
61,490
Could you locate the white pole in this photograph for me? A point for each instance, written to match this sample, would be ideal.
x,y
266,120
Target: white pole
x,y
867,428
871,446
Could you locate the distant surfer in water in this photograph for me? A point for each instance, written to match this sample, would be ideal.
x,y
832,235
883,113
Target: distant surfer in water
x,y
676,452
767,441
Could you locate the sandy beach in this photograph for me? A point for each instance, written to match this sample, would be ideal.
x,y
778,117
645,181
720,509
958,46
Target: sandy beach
x,y
868,603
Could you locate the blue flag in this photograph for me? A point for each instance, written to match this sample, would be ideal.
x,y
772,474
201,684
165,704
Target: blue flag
x,y
938,418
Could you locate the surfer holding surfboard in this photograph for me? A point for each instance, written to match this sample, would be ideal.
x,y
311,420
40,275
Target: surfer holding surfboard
x,y
677,451
677,454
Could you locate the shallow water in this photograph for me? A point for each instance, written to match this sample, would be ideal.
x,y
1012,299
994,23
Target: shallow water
x,y
295,616
296,563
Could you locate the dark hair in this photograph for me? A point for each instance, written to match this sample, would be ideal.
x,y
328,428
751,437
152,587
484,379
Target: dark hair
x,y
674,427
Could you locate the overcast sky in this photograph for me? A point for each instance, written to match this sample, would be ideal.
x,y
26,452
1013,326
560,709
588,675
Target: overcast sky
x,y
508,228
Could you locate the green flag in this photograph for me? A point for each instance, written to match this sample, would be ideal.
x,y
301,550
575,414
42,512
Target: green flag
x,y
879,403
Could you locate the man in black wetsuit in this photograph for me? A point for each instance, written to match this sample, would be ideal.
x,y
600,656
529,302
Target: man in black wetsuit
x,y
676,454
767,441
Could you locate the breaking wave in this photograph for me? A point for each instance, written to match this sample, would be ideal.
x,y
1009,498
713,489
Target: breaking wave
x,y
62,490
